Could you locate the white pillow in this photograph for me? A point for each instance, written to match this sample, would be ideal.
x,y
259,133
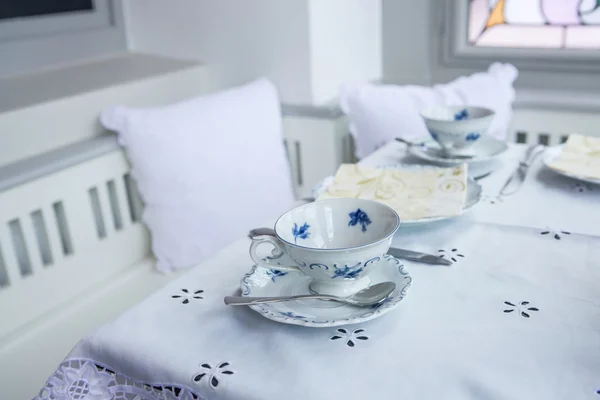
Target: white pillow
x,y
208,169
379,113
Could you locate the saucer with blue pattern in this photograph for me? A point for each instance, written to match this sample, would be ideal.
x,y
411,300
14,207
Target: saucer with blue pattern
x,y
484,150
263,282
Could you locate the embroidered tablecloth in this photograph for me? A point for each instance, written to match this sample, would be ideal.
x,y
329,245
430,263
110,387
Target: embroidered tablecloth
x,y
517,316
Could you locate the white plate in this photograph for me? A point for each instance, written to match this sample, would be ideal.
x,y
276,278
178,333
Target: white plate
x,y
474,192
551,153
485,149
319,313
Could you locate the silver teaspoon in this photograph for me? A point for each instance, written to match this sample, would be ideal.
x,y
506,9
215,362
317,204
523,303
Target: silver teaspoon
x,y
367,297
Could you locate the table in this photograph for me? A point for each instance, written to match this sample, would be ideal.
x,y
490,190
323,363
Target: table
x,y
517,316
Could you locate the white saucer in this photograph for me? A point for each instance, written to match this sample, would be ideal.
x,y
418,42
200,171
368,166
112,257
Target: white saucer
x,y
319,313
551,153
474,193
485,149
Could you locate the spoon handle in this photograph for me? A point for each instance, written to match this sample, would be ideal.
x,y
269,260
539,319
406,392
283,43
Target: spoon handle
x,y
243,301
406,142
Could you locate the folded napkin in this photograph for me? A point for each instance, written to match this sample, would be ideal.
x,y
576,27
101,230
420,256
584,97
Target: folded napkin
x,y
414,193
580,156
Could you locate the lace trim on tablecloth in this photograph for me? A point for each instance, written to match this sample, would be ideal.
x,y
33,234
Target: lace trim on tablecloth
x,y
82,379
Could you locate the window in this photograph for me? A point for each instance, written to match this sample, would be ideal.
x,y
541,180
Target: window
x,y
543,24
30,8
37,34
21,19
535,35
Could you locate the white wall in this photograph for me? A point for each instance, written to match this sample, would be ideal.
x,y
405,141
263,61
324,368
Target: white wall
x,y
307,47
345,43
239,40
407,41
42,112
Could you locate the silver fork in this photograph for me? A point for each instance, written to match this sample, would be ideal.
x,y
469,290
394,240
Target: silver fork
x,y
518,176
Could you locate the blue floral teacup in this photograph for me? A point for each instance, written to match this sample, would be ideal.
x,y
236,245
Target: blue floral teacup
x,y
334,241
457,128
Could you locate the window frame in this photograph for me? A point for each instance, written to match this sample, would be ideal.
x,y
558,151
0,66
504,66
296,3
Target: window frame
x,y
51,24
457,52
33,44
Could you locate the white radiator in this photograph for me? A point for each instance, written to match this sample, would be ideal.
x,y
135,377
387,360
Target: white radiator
x,y
551,127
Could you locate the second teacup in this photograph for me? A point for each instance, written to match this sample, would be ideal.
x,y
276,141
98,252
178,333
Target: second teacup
x,y
334,241
457,128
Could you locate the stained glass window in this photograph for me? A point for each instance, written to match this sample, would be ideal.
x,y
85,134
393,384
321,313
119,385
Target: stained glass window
x,y
545,24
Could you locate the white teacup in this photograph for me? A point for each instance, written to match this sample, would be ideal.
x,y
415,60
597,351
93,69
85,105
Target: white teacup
x,y
457,128
334,241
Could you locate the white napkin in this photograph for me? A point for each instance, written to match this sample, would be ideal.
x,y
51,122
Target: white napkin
x,y
379,113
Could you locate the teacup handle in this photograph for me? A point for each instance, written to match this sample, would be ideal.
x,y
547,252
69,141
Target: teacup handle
x,y
276,253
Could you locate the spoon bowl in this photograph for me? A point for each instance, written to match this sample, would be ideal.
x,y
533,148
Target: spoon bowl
x,y
369,296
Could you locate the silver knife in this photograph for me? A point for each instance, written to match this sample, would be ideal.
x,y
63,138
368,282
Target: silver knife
x,y
393,251
439,152
517,178
417,256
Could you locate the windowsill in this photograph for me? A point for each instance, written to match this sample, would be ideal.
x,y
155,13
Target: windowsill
x,y
526,99
68,81
49,110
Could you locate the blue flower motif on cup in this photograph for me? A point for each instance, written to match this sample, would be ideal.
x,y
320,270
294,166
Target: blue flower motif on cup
x,y
274,273
347,272
359,217
300,232
461,115
472,136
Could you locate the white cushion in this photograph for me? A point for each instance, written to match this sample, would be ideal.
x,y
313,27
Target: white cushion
x,y
379,113
208,169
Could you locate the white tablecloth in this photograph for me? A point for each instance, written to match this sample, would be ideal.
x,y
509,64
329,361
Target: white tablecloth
x,y
517,316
